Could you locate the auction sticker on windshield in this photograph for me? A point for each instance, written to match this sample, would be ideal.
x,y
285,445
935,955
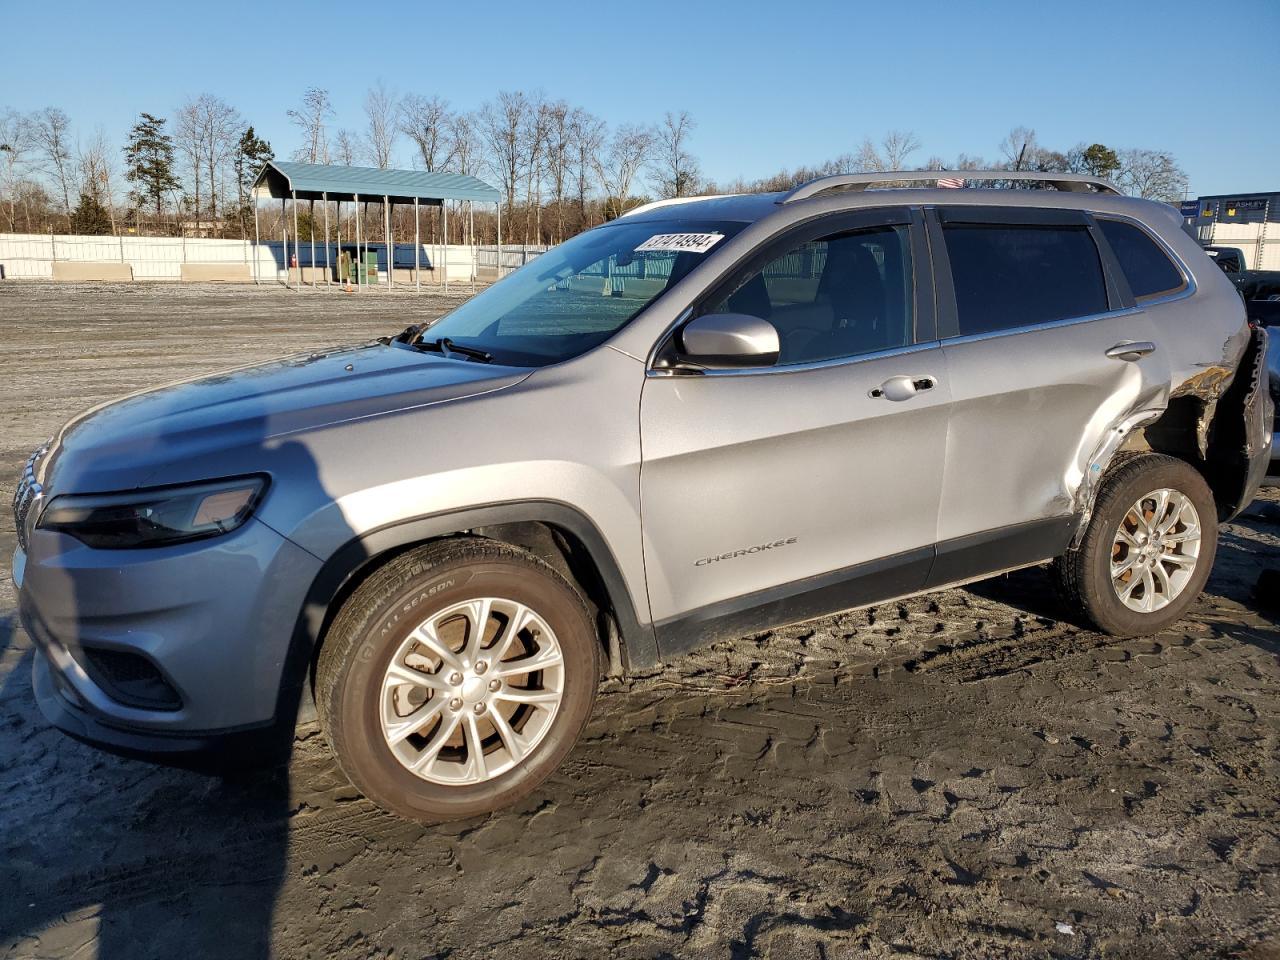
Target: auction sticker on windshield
x,y
681,242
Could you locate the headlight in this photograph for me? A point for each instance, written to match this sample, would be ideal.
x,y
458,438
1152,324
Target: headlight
x,y
163,515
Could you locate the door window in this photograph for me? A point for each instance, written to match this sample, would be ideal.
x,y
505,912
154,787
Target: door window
x,y
1147,268
840,296
1009,276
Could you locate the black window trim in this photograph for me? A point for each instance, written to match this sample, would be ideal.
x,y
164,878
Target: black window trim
x,y
1160,296
1119,299
794,234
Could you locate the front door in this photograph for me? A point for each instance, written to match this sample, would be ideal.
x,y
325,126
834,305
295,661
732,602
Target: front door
x,y
782,493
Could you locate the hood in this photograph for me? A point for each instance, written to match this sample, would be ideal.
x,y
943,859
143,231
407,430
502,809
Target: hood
x,y
128,442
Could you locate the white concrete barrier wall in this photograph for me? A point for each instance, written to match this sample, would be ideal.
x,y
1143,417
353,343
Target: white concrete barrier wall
x,y
31,256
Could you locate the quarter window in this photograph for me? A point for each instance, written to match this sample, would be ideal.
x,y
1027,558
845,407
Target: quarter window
x,y
840,296
1009,276
1147,268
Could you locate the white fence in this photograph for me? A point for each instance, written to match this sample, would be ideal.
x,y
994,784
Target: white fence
x,y
31,256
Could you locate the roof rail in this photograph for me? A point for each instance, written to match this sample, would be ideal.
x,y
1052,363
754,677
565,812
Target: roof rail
x,y
1074,182
669,202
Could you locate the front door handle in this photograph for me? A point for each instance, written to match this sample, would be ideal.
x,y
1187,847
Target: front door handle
x,y
1131,350
902,388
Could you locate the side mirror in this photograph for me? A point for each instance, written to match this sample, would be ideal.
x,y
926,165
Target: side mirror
x,y
730,340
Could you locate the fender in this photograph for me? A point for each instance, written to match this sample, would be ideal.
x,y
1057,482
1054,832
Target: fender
x,y
637,640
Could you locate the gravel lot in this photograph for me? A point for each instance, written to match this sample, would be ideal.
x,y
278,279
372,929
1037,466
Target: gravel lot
x,y
963,775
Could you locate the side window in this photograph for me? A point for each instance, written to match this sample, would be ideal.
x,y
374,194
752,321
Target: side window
x,y
1013,275
840,296
1147,268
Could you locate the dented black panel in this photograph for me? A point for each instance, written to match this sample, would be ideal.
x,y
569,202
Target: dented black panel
x,y
1240,432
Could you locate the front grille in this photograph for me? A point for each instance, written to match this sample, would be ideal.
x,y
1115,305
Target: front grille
x,y
26,499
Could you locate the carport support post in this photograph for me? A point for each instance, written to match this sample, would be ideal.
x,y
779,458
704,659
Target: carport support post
x,y
471,238
296,258
417,249
391,254
328,271
255,241
312,264
359,260
284,240
444,261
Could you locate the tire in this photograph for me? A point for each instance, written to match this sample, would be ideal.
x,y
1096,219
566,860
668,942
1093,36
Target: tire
x,y
1084,574
389,737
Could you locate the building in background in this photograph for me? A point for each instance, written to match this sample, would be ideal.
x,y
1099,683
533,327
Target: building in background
x,y
1250,222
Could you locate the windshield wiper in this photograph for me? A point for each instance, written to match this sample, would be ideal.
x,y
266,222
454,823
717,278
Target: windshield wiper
x,y
446,346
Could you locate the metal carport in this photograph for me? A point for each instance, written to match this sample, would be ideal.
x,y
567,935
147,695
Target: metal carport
x,y
332,183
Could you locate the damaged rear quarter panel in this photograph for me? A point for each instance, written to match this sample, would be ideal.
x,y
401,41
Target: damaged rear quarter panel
x,y
1211,352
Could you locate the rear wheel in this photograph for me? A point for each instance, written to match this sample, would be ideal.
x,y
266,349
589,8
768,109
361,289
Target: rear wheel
x,y
456,678
1148,549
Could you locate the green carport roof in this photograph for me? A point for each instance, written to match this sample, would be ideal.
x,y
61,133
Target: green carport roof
x,y
312,181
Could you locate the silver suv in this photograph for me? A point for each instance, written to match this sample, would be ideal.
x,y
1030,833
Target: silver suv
x,y
701,420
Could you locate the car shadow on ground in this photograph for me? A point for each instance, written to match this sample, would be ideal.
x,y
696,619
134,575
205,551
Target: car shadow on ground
x,y
212,902
1238,565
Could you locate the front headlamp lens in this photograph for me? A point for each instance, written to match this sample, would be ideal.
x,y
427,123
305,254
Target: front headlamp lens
x,y
146,518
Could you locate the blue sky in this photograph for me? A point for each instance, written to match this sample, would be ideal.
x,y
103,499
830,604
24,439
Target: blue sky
x,y
771,85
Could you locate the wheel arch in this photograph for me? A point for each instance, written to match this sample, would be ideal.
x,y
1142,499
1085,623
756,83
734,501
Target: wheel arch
x,y
556,532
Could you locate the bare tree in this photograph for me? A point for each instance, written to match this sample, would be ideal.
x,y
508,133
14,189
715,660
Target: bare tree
x,y
311,117
207,134
502,122
346,148
463,131
587,134
189,137
559,137
51,135
223,125
677,169
381,114
1153,175
533,141
890,154
15,142
629,150
1019,148
426,121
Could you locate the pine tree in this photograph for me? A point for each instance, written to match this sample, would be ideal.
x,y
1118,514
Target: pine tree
x,y
149,162
90,217
251,153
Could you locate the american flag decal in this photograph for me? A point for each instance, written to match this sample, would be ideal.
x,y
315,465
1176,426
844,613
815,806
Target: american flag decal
x,y
953,183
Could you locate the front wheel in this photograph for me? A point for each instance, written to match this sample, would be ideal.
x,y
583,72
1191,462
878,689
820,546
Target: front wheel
x,y
1147,551
456,678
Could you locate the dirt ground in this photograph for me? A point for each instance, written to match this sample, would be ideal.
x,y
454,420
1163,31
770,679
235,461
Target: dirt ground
x,y
962,775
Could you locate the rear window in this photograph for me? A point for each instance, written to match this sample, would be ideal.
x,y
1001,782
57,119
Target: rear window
x,y
1148,269
1009,276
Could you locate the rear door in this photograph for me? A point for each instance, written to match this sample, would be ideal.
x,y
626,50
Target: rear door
x,y
1034,317
778,493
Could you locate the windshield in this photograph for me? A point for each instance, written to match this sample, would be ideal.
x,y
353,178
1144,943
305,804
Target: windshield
x,y
577,295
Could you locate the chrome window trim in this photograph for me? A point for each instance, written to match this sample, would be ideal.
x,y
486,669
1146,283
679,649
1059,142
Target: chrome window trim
x,y
793,367
1046,325
1188,287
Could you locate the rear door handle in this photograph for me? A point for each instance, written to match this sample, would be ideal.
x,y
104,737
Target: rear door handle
x,y
1131,350
901,388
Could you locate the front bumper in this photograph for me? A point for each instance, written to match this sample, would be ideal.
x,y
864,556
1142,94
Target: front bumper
x,y
213,618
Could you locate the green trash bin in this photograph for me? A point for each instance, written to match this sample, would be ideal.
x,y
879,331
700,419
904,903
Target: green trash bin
x,y
369,267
